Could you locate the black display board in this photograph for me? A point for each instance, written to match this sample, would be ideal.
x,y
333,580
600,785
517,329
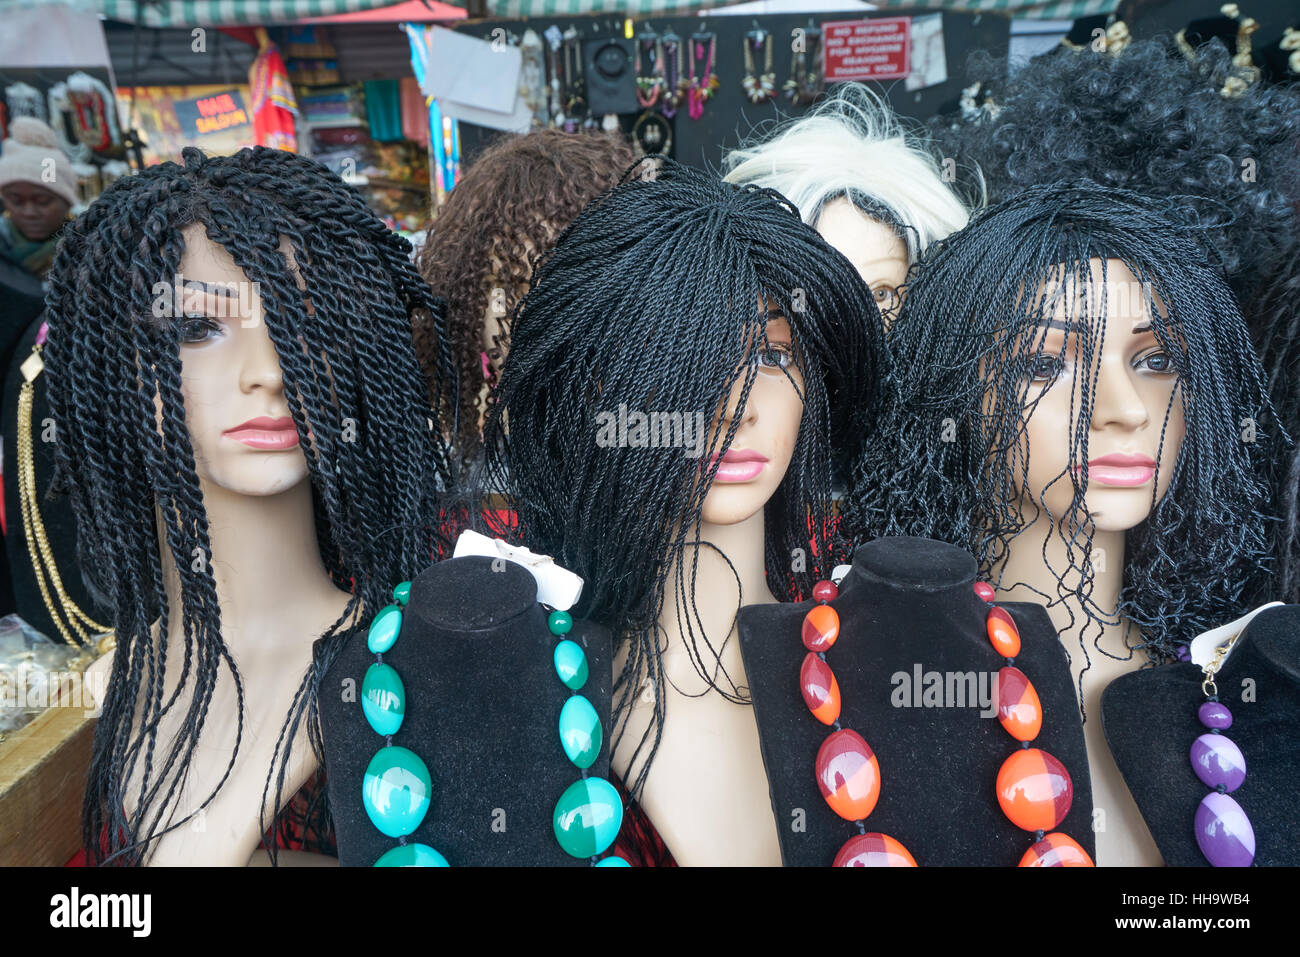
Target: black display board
x,y
729,116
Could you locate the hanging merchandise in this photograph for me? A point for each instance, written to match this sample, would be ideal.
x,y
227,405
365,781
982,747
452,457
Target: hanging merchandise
x,y
275,108
649,87
532,77
611,77
703,81
675,82
93,112
652,134
415,113
574,87
554,40
25,100
806,84
383,110
758,43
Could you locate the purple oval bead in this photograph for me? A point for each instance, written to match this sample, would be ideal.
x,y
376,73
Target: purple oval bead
x,y
1214,715
1223,832
1217,760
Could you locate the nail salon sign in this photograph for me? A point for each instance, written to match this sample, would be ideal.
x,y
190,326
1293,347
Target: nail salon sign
x,y
873,49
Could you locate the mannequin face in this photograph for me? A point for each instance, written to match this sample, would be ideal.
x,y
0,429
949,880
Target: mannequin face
x,y
36,211
768,425
1136,384
877,253
235,407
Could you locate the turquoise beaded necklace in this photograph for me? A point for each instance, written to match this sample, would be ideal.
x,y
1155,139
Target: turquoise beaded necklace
x,y
396,788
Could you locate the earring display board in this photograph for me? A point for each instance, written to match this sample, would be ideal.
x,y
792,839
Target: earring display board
x,y
728,115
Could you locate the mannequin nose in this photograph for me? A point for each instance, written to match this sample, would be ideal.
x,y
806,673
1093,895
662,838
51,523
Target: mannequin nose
x,y
260,367
1117,400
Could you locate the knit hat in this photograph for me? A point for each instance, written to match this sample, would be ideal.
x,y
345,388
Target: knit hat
x,y
31,154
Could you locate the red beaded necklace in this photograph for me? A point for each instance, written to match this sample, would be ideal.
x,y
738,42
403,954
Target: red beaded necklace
x,y
1033,788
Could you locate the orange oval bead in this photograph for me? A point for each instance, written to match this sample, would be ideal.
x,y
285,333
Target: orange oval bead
x,y
821,692
1003,632
1019,710
848,775
873,850
1056,850
821,626
1034,789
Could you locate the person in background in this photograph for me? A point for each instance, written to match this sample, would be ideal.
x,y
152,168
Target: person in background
x,y
39,189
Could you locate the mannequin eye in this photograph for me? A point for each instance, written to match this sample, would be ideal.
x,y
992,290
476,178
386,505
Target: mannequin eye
x,y
1158,362
1044,366
198,329
774,357
886,297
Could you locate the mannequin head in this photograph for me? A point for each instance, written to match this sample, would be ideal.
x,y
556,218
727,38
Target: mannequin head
x,y
1065,326
862,180
1149,120
678,298
157,364
514,199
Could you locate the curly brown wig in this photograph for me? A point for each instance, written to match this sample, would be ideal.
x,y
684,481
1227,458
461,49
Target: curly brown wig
x,y
516,198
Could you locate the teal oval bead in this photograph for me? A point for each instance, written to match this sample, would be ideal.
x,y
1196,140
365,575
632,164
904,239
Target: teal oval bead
x,y
383,698
401,594
580,732
384,629
587,817
571,664
559,622
396,790
412,855
613,861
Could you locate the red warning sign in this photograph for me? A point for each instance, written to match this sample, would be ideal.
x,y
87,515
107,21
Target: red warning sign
x,y
867,49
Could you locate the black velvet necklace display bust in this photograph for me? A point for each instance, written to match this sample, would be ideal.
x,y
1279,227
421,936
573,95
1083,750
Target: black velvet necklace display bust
x,y
1150,722
482,710
906,606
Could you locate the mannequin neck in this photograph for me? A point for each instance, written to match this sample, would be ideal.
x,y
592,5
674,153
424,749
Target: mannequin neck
x,y
719,587
1038,564
267,567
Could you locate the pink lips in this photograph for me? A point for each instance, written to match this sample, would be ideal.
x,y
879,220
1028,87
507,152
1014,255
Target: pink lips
x,y
266,433
1123,470
740,465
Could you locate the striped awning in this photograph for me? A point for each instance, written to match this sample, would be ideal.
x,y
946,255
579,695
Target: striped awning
x,y
185,13
182,13
1026,9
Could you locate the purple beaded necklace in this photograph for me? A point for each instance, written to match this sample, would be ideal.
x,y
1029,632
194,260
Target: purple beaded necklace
x,y
1223,831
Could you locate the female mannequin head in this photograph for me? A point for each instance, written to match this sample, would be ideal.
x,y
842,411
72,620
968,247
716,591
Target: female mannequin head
x,y
870,188
187,301
515,198
1149,120
1065,327
689,354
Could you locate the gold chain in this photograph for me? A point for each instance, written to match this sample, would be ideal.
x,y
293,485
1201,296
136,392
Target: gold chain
x,y
38,546
1212,668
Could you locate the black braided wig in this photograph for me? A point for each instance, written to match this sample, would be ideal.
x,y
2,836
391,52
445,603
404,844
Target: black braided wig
x,y
1151,121
344,344
947,460
651,300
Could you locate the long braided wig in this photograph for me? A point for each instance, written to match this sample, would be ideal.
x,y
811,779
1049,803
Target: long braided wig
x,y
650,301
949,459
1150,120
375,459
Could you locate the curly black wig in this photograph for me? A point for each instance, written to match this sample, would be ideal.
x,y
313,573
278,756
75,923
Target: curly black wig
x,y
1150,120
344,345
950,457
653,300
